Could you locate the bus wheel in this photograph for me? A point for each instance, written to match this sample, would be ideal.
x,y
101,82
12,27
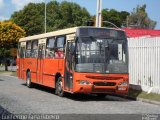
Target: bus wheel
x,y
100,95
28,80
59,87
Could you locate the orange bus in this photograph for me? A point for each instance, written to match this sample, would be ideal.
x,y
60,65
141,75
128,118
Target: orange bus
x,y
87,60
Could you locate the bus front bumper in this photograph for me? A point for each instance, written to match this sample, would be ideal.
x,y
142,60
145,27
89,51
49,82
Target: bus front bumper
x,y
92,89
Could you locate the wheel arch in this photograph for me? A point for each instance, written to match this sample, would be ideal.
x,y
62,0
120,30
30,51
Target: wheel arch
x,y
27,71
56,78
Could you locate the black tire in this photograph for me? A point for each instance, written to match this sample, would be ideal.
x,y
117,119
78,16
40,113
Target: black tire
x,y
59,88
100,95
28,80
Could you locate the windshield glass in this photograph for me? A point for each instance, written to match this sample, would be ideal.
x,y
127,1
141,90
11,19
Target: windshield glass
x,y
101,55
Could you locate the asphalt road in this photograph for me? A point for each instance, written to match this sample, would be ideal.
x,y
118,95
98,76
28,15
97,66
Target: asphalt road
x,y
16,98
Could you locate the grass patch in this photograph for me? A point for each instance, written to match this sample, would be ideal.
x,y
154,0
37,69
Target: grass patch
x,y
140,94
1,71
12,73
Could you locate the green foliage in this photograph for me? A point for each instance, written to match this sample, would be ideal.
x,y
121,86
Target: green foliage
x,y
4,52
31,18
139,18
10,33
115,17
59,16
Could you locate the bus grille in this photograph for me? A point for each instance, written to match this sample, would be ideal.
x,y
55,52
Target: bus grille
x,y
102,90
104,83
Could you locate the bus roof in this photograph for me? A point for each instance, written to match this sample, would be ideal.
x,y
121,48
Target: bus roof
x,y
50,34
58,32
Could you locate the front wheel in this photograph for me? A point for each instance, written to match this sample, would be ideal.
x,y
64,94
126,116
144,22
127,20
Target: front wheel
x,y
28,80
59,88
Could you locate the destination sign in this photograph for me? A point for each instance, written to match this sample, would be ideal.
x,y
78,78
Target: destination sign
x,y
101,32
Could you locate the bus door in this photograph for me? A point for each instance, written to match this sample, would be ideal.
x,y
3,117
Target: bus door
x,y
69,63
40,60
20,61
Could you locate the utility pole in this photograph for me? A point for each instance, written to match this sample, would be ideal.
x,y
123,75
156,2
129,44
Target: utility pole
x,y
45,17
127,22
99,13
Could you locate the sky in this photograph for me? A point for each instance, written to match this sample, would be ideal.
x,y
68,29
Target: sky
x,y
8,7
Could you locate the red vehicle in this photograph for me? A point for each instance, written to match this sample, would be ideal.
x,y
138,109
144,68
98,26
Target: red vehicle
x,y
86,60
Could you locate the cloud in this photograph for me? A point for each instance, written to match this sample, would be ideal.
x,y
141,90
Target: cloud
x,y
19,4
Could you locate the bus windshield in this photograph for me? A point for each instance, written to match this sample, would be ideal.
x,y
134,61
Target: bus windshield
x,y
101,55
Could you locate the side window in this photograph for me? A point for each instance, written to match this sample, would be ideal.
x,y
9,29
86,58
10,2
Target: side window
x,y
34,51
28,49
22,52
59,50
60,42
50,47
18,51
41,51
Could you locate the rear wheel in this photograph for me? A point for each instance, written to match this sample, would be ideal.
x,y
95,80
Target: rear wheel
x,y
59,88
28,80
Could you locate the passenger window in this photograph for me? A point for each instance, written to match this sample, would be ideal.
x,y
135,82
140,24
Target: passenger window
x,y
41,51
28,49
22,52
59,50
50,47
18,51
60,42
34,51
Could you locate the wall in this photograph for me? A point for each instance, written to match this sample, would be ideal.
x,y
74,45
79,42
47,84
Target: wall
x,y
144,63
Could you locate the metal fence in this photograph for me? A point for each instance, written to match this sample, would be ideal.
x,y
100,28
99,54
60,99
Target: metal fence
x,y
144,63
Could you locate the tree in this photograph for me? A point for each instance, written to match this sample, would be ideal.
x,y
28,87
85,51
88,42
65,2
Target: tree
x,y
10,33
139,18
31,18
115,17
59,16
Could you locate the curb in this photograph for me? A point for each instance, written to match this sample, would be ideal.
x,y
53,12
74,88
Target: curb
x,y
144,100
140,99
148,101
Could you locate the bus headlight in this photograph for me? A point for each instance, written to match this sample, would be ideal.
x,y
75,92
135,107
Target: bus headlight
x,y
123,84
84,82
